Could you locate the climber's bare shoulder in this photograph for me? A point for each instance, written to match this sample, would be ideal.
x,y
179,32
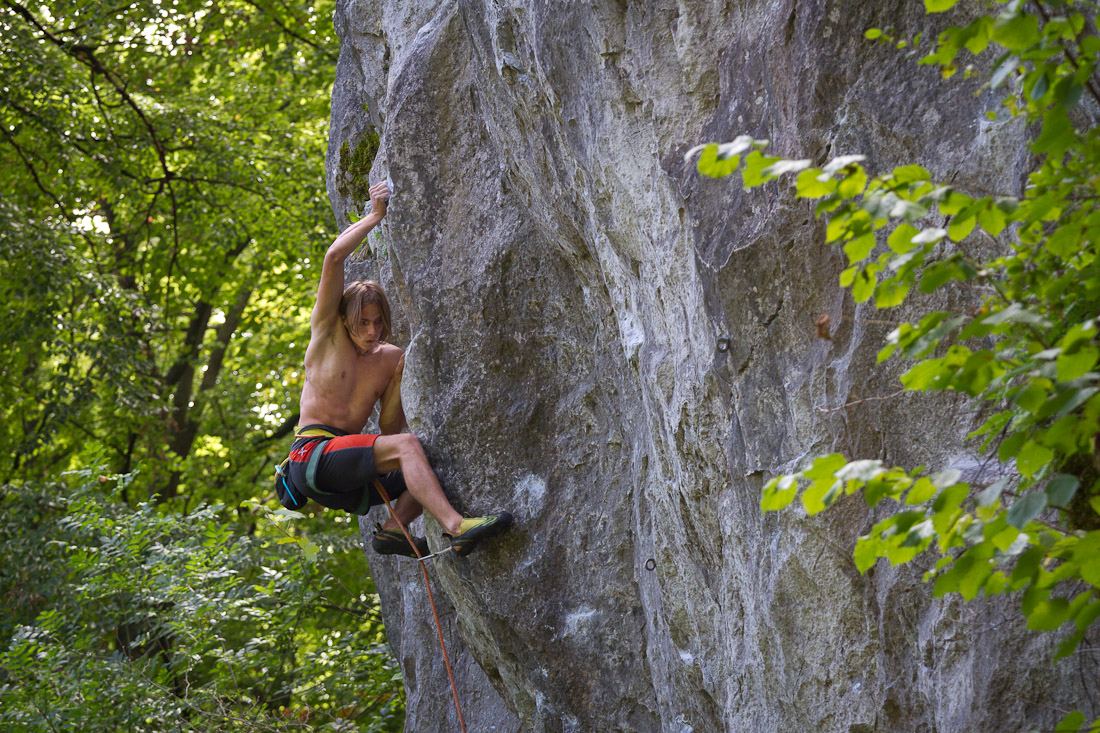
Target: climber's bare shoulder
x,y
389,357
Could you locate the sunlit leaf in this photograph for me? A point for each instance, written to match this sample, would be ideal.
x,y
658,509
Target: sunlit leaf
x,y
778,493
939,6
711,164
1077,364
810,186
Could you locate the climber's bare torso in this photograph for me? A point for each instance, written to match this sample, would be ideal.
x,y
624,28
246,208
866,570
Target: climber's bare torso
x,y
349,368
345,379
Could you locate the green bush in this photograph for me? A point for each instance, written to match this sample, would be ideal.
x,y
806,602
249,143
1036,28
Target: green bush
x,y
121,619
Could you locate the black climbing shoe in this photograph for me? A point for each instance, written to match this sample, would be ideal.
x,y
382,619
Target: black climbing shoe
x,y
393,542
478,529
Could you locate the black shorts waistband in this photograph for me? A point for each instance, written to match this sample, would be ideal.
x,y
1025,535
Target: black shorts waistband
x,y
336,432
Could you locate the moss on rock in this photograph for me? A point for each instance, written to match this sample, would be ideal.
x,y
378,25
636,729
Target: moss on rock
x,y
353,167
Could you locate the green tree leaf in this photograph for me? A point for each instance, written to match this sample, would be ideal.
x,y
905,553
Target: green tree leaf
x,y
891,293
809,184
717,161
756,169
1071,723
1026,508
863,285
1087,555
1056,136
778,493
901,239
859,248
1018,32
992,220
1048,615
961,228
1077,364
939,6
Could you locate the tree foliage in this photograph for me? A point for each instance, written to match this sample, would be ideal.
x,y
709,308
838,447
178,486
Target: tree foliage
x,y
162,221
1028,352
162,200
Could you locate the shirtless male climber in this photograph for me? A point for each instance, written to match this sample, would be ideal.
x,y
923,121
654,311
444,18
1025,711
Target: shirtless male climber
x,y
350,366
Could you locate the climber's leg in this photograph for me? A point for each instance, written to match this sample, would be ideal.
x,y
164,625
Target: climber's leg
x,y
407,509
403,452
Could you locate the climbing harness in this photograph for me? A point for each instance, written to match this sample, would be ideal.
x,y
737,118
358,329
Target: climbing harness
x,y
431,599
286,494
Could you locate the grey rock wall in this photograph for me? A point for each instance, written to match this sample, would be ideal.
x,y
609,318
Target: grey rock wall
x,y
563,283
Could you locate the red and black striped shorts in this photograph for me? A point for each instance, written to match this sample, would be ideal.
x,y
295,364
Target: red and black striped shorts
x,y
336,469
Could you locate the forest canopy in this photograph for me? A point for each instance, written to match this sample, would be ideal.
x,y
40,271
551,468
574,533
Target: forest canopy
x,y
163,195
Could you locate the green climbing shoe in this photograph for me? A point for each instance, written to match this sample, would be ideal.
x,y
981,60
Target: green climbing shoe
x,y
393,542
476,529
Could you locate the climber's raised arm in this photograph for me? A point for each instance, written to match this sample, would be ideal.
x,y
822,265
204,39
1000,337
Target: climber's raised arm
x,y
327,309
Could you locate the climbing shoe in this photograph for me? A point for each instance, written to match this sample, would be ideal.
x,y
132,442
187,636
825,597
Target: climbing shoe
x,y
393,542
476,529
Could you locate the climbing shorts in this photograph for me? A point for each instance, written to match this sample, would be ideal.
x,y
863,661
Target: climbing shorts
x,y
335,469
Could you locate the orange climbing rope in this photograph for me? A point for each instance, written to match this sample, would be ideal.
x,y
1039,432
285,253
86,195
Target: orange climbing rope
x,y
424,569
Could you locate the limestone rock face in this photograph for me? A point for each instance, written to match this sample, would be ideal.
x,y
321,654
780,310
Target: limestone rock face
x,y
621,353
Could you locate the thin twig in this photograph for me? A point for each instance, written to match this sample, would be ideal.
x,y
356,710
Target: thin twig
x,y
292,34
865,399
1069,54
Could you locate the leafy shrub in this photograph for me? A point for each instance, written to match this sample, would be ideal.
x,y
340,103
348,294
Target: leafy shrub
x,y
120,619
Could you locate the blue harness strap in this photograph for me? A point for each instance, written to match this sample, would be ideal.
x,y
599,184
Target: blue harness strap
x,y
294,502
282,469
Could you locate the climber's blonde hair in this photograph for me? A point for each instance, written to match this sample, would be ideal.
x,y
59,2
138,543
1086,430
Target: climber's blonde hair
x,y
357,296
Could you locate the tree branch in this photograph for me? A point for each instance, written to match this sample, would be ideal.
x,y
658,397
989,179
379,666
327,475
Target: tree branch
x,y
858,402
221,344
61,208
86,56
1089,84
292,34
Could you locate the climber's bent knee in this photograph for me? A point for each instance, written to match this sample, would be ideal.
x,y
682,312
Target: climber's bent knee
x,y
392,451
